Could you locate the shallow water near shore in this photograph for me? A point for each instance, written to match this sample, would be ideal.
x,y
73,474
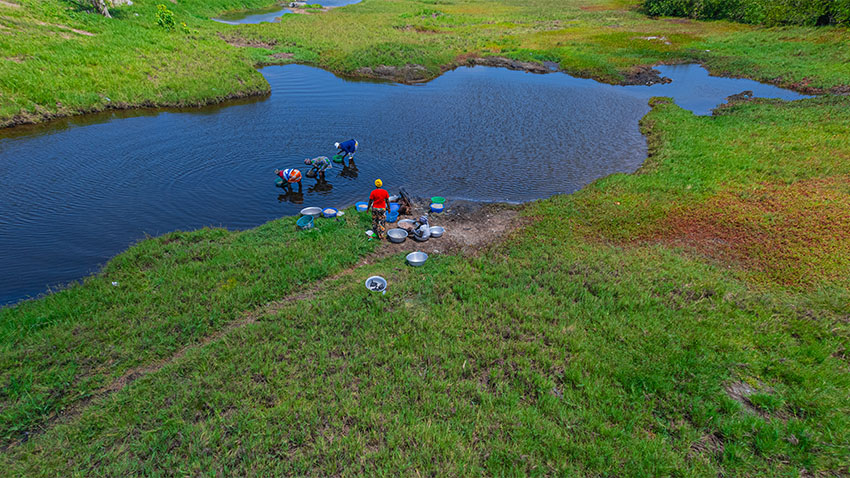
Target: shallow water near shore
x,y
77,192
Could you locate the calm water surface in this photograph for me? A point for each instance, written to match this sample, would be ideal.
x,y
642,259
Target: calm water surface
x,y
75,193
270,14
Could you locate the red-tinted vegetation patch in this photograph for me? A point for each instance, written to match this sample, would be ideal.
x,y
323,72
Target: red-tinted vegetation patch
x,y
795,234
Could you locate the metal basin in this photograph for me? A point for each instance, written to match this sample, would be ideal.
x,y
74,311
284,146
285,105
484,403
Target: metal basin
x,y
437,231
376,283
397,235
406,223
417,258
311,211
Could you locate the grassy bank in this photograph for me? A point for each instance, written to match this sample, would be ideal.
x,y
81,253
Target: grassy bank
x,y
57,59
172,291
598,340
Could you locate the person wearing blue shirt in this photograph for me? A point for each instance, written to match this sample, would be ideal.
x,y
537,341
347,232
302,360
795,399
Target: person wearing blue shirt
x,y
347,148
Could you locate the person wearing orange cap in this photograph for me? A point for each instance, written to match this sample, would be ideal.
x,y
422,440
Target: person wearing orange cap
x,y
378,200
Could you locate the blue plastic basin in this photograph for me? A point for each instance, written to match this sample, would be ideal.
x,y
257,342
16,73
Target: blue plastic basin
x,y
306,222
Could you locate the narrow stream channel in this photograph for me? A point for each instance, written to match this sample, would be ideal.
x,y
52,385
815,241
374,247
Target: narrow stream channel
x,y
76,192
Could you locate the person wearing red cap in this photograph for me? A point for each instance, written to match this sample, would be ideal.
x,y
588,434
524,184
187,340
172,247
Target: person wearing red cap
x,y
378,200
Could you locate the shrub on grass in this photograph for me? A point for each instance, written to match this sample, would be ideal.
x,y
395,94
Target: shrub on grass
x,y
769,12
164,17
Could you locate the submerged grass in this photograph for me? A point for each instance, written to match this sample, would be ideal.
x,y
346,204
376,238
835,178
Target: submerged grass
x,y
58,59
171,291
556,352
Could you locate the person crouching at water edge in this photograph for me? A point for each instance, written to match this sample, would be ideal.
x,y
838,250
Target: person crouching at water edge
x,y
347,148
320,165
288,177
378,200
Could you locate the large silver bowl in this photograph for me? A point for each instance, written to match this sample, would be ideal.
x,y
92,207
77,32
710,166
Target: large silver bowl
x,y
437,231
311,211
406,222
397,235
417,258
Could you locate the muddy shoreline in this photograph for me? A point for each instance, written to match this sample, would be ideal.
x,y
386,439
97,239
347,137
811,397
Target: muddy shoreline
x,y
415,73
470,226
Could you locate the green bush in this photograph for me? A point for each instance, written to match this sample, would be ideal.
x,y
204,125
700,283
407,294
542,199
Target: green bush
x,y
164,17
769,12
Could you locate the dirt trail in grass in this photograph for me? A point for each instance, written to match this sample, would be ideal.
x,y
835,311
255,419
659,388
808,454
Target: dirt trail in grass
x,y
470,227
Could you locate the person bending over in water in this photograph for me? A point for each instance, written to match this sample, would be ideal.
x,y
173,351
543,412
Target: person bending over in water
x,y
320,165
378,200
347,148
288,177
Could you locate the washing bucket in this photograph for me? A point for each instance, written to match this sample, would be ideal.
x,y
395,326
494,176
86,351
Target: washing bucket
x,y
436,207
394,207
362,206
306,222
337,158
392,216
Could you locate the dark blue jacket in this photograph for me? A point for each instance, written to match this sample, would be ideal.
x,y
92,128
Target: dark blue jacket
x,y
349,146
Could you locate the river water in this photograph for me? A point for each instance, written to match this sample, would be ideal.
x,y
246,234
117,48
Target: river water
x,y
271,14
74,193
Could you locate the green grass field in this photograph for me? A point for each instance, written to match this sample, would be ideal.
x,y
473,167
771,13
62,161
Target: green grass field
x,y
172,291
588,343
691,319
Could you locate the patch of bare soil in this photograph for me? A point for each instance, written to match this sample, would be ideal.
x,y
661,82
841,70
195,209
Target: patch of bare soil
x,y
644,75
283,56
246,43
418,29
410,73
66,27
501,62
741,393
597,8
308,11
804,86
469,227
709,444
